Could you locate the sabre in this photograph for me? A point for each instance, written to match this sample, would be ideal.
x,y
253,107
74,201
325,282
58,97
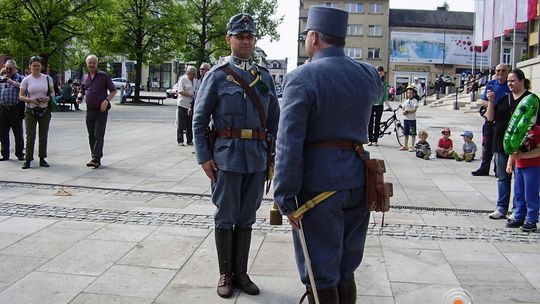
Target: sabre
x,y
307,259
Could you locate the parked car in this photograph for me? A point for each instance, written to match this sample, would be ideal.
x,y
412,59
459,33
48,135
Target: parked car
x,y
172,92
121,82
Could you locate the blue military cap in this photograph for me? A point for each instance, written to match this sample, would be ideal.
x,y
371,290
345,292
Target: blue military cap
x,y
327,20
241,23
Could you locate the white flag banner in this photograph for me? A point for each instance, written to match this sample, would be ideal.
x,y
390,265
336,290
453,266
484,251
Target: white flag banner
x,y
522,11
509,16
498,30
478,22
488,20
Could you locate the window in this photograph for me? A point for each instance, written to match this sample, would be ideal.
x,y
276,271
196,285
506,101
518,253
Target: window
x,y
375,30
508,38
507,55
374,53
375,8
355,30
356,8
329,4
355,53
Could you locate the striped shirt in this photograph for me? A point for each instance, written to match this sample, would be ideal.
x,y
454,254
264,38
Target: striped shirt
x,y
9,93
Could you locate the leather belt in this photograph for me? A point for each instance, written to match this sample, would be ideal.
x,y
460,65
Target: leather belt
x,y
342,144
241,133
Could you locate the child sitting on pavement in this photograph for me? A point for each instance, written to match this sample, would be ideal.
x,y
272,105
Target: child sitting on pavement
x,y
469,148
445,147
409,105
423,150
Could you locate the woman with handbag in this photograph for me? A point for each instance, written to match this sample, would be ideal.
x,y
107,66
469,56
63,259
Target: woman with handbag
x,y
36,92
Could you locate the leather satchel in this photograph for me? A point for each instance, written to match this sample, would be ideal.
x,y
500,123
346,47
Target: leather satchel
x,y
378,192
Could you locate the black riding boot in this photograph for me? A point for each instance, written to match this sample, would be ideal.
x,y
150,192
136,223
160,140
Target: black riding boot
x,y
326,296
224,243
347,291
242,242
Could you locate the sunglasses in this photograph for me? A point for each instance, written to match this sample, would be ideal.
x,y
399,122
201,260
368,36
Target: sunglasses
x,y
35,58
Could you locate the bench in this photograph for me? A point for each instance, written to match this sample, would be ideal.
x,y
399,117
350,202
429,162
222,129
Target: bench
x,y
157,99
64,105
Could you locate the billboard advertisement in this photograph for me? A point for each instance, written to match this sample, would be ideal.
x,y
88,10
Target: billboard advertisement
x,y
430,47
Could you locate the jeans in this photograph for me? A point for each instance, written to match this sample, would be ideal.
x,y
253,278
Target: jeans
x,y
31,123
335,232
526,197
184,123
374,123
96,123
11,119
504,181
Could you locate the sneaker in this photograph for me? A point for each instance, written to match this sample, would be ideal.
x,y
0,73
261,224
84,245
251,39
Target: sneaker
x,y
511,217
190,143
497,215
528,227
468,157
480,173
514,223
456,156
4,158
370,144
94,163
26,164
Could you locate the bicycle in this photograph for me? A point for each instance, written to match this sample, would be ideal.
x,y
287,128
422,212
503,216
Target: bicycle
x,y
395,122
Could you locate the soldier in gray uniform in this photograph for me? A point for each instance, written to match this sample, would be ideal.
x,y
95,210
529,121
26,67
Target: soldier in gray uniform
x,y
242,120
325,112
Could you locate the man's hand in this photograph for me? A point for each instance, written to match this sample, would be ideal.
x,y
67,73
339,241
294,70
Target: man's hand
x,y
295,223
190,112
210,168
103,106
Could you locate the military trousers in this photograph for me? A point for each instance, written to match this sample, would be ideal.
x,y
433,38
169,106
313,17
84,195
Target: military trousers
x,y
237,196
335,232
42,125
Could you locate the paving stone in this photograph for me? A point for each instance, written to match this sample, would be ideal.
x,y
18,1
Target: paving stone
x,y
162,251
46,288
21,225
6,239
93,298
88,257
119,232
474,252
524,263
14,268
48,242
418,266
407,293
133,281
372,278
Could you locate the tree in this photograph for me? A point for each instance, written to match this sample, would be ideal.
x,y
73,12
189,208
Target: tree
x,y
43,27
207,25
145,31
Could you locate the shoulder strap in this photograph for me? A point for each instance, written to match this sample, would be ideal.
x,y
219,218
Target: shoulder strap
x,y
249,91
48,86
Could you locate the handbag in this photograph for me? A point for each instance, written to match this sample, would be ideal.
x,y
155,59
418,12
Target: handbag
x,y
37,112
53,105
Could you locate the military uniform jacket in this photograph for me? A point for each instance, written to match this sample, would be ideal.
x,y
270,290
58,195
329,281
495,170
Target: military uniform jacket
x,y
223,102
328,98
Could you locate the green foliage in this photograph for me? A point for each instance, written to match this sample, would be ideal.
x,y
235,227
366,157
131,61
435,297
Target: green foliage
x,y
207,25
43,27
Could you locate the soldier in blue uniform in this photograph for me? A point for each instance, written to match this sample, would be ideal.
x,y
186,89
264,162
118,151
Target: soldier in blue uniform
x,y
237,160
324,117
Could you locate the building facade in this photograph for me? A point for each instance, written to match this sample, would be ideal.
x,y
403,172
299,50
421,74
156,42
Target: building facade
x,y
367,34
278,69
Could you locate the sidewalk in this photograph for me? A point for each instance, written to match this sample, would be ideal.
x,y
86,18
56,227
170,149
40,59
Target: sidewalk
x,y
140,229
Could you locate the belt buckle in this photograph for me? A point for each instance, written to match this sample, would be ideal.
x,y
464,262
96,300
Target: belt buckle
x,y
246,134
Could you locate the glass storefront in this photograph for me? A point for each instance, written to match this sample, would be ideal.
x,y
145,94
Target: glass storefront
x,y
159,77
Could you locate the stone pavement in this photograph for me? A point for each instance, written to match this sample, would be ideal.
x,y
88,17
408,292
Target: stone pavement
x,y
139,229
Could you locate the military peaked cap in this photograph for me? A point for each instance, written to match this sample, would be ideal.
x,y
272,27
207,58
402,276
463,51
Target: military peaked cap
x,y
327,20
241,23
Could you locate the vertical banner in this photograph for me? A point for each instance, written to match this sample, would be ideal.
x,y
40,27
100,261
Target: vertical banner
x,y
498,16
522,11
509,16
478,22
488,20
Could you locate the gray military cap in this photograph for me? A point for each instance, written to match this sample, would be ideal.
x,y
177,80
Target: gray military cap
x,y
327,20
241,23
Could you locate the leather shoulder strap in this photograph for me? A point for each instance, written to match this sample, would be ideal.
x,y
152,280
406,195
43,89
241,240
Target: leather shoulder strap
x,y
249,91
